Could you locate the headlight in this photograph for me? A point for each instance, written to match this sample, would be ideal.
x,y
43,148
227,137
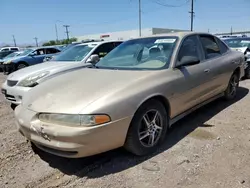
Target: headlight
x,y
32,80
7,62
74,120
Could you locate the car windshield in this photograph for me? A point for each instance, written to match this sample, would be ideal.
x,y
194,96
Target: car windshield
x,y
75,53
26,52
139,54
12,55
238,43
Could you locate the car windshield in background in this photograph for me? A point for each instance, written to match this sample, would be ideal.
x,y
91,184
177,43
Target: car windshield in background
x,y
145,53
75,53
238,43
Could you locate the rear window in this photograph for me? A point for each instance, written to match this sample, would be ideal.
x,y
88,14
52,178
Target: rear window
x,y
14,49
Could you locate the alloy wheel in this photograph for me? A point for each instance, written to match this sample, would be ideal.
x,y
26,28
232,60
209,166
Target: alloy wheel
x,y
150,128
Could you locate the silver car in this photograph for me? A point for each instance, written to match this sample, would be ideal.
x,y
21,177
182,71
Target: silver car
x,y
20,82
131,97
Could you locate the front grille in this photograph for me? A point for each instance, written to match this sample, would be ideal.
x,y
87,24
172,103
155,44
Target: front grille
x,y
11,83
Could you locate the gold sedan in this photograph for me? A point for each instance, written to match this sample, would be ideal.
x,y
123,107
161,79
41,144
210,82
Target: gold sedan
x,y
130,97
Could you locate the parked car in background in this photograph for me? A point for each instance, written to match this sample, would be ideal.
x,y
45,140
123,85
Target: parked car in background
x,y
8,57
20,82
3,54
9,49
131,97
242,45
30,57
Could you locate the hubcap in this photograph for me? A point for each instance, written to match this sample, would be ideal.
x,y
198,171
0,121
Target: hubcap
x,y
150,128
233,85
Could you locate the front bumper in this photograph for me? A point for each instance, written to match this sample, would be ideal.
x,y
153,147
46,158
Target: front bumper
x,y
15,93
71,142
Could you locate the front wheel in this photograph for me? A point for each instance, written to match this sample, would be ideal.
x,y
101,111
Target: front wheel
x,y
21,66
148,128
232,87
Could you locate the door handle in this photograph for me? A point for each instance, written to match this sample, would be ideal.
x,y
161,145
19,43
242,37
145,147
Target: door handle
x,y
207,70
235,62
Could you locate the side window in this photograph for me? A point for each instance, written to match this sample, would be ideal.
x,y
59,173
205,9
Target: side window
x,y
51,50
14,49
5,49
223,47
210,46
104,49
39,52
117,44
189,47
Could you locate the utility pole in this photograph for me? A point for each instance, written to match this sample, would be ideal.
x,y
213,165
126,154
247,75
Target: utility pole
x,y
14,40
208,30
56,32
192,15
231,30
140,18
67,31
36,41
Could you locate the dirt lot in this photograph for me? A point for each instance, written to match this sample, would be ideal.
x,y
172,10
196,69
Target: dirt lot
x,y
210,148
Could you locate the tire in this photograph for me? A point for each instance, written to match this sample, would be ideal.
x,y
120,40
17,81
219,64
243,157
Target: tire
x,y
21,66
139,129
232,87
247,72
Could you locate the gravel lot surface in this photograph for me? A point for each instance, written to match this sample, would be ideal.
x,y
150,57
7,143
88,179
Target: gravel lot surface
x,y
209,148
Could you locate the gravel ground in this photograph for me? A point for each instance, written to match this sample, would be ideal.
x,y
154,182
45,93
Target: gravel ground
x,y
209,148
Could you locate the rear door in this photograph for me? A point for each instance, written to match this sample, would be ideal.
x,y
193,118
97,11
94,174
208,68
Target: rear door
x,y
217,57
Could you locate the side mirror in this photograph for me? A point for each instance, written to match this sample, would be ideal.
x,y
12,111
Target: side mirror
x,y
32,54
93,59
187,61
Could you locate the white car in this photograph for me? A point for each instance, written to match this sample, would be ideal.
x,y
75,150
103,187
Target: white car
x,y
9,49
79,56
241,45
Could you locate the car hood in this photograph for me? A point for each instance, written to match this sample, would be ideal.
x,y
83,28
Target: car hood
x,y
51,66
73,91
240,49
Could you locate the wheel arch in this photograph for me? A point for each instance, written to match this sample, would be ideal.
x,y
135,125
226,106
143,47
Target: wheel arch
x,y
161,99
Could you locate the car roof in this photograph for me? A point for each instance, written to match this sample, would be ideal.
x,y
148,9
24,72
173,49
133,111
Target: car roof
x,y
239,38
180,34
99,42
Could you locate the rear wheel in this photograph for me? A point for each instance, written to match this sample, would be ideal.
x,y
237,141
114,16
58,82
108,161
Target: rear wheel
x,y
232,87
148,128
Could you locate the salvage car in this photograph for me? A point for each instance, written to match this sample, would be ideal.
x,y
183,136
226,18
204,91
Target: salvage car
x,y
30,57
130,97
242,45
20,82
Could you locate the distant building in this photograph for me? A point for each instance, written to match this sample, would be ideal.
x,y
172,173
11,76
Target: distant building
x,y
125,35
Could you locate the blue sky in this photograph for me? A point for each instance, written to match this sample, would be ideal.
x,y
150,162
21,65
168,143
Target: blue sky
x,y
27,19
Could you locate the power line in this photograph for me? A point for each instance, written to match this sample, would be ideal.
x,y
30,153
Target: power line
x,y
67,31
169,5
14,40
36,41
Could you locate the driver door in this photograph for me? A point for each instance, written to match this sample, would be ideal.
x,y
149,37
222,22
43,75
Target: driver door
x,y
191,81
